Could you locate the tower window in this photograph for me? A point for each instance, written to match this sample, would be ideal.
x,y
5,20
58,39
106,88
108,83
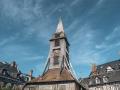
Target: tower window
x,y
57,35
56,60
57,43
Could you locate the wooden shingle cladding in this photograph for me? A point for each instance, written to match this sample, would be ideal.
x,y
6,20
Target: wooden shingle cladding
x,y
54,80
54,85
55,75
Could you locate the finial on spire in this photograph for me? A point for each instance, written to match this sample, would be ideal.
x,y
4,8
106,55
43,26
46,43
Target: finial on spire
x,y
60,27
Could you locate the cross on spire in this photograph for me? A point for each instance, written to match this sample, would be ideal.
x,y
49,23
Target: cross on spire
x,y
60,27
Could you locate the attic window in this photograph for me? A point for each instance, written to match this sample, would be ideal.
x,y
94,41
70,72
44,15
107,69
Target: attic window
x,y
109,69
97,80
105,79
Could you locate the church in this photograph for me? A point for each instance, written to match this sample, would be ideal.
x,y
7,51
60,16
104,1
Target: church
x,y
58,73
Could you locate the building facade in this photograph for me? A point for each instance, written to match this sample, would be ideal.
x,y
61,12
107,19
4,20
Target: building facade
x,y
104,77
57,74
11,76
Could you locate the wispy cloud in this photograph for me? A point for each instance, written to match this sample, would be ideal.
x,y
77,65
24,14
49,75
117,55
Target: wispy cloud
x,y
21,10
8,40
83,39
75,2
112,37
89,51
114,34
97,6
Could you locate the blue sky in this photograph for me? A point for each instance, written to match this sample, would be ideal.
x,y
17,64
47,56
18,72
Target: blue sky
x,y
92,28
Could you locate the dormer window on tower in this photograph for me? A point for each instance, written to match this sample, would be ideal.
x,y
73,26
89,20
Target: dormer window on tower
x,y
57,35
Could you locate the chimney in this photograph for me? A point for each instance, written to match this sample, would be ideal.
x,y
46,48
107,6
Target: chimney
x,y
30,75
13,64
94,69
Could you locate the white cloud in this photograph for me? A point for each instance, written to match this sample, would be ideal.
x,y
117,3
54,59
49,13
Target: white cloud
x,y
20,11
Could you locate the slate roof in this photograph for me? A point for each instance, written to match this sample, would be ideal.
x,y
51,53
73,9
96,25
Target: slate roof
x,y
10,74
102,74
114,64
8,67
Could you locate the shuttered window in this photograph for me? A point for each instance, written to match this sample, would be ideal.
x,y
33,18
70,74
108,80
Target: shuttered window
x,y
57,43
56,60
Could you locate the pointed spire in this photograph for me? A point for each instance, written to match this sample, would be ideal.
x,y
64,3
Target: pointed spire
x,y
60,27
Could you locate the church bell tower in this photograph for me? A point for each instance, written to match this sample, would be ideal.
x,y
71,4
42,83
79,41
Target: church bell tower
x,y
58,57
59,53
58,73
